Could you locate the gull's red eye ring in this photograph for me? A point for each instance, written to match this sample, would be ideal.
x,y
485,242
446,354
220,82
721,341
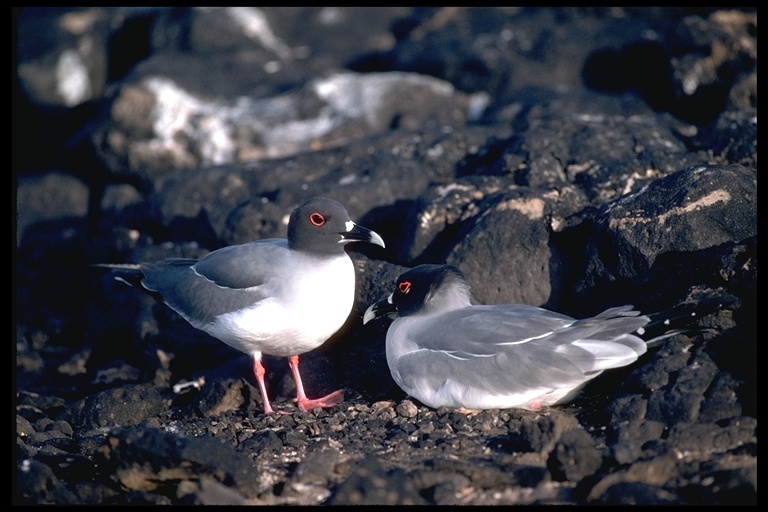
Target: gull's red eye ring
x,y
404,287
317,219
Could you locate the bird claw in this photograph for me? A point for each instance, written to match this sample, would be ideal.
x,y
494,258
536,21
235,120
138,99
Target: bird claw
x,y
325,402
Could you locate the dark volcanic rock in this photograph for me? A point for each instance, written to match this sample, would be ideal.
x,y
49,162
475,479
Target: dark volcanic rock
x,y
574,457
701,212
124,406
371,484
150,459
572,158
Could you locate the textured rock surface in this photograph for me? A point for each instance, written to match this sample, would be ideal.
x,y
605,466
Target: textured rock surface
x,y
571,158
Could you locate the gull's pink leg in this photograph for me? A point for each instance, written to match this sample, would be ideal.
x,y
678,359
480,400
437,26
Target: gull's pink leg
x,y
305,404
535,405
259,372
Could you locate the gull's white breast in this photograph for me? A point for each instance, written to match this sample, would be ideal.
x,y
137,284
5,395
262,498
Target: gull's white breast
x,y
304,309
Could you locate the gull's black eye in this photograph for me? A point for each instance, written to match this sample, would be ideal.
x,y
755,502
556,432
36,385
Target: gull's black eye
x,y
404,287
317,219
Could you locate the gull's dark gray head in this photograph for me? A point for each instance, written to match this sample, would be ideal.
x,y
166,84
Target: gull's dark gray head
x,y
323,226
424,289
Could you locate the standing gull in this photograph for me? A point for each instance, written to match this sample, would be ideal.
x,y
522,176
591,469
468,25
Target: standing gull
x,y
444,351
281,297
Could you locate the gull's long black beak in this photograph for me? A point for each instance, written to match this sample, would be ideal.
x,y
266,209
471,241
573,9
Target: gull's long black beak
x,y
357,233
381,308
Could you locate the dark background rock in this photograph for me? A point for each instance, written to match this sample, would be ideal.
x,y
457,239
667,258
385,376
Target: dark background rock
x,y
571,158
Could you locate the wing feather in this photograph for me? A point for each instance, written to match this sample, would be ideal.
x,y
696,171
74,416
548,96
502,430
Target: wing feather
x,y
513,350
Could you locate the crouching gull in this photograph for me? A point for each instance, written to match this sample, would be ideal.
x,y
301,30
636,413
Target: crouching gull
x,y
281,297
444,351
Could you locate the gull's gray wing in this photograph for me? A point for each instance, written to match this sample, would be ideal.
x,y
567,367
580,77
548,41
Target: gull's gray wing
x,y
502,349
225,280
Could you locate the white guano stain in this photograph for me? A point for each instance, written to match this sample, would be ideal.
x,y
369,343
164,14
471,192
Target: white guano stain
x,y
531,208
72,81
711,199
255,25
714,197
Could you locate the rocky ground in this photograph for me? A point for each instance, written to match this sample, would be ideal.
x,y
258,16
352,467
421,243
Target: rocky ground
x,y
570,158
